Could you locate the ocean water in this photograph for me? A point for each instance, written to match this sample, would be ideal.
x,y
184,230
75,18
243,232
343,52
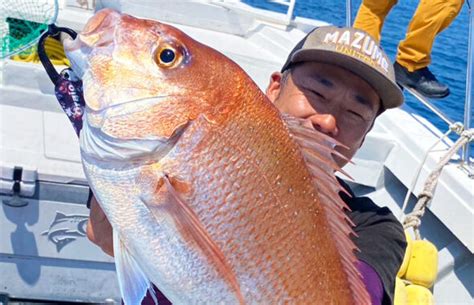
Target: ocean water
x,y
449,54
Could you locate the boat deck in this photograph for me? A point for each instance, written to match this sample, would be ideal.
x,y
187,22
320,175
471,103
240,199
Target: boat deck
x,y
41,258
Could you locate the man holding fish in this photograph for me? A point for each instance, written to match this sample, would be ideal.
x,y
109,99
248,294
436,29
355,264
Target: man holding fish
x,y
335,81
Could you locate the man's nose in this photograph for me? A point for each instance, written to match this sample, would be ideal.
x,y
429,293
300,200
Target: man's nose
x,y
325,123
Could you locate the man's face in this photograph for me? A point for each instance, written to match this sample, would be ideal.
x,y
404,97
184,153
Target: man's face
x,y
334,100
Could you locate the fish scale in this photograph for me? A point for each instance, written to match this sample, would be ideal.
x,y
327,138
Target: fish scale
x,y
213,195
270,243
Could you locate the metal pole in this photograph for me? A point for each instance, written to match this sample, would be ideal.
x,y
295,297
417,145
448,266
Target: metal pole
x,y
348,13
469,80
430,106
289,13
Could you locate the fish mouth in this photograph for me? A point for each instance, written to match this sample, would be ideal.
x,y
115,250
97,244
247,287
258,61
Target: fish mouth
x,y
97,118
98,32
97,144
77,55
104,18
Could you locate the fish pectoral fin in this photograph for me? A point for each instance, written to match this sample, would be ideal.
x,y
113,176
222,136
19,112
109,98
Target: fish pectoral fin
x,y
133,282
189,226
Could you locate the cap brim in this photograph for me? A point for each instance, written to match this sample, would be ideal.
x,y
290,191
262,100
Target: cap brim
x,y
388,91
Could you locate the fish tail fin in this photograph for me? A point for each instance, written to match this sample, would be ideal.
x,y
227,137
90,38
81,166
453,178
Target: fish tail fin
x,y
318,151
133,282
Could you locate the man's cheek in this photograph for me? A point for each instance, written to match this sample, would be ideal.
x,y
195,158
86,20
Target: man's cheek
x,y
290,105
349,147
347,155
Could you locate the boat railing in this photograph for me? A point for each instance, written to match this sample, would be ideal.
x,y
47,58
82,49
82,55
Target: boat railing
x,y
291,7
348,13
469,81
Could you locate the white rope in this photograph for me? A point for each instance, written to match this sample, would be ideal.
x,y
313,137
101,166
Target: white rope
x,y
453,127
413,219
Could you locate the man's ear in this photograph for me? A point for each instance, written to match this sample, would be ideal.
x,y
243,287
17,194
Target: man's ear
x,y
274,86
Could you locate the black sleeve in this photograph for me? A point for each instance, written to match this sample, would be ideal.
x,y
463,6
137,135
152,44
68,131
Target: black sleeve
x,y
89,198
381,240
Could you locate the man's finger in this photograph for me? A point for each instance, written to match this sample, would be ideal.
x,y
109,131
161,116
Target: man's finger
x,y
99,230
96,213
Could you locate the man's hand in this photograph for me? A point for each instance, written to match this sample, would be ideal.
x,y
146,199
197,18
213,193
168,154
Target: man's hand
x,y
99,230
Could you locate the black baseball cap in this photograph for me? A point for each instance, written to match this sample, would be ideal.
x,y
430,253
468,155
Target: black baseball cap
x,y
353,50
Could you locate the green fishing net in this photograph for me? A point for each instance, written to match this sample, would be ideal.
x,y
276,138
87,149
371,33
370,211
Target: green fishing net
x,y
22,22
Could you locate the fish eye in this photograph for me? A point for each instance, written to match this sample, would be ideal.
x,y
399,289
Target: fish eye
x,y
167,57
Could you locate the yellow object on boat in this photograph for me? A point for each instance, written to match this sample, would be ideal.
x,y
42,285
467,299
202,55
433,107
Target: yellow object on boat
x,y
401,293
406,258
419,295
53,48
423,263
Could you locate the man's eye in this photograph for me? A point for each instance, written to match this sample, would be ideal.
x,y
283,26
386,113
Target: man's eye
x,y
356,115
318,94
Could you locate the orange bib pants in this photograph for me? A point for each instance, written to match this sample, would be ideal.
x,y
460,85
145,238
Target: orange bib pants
x,y
430,18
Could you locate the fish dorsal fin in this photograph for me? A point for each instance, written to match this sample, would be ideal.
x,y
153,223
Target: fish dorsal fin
x,y
191,228
133,282
318,150
59,217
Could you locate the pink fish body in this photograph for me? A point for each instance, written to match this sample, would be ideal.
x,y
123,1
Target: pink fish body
x,y
214,196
